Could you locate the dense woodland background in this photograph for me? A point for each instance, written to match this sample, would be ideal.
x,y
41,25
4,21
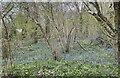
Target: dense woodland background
x,y
60,38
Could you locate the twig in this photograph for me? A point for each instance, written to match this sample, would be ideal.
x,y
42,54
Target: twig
x,y
81,46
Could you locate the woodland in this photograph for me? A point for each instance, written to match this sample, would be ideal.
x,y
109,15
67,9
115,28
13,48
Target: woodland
x,y
60,39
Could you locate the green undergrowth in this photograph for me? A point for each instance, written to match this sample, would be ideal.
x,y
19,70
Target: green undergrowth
x,y
36,60
62,68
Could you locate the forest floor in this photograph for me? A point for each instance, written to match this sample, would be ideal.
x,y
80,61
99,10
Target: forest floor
x,y
38,55
95,54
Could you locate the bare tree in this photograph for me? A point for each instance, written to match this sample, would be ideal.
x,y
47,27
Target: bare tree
x,y
6,53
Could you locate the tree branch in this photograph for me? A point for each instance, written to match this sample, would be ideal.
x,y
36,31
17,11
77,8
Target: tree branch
x,y
100,17
7,11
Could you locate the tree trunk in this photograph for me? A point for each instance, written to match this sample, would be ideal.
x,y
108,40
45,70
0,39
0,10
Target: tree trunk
x,y
5,43
117,24
68,41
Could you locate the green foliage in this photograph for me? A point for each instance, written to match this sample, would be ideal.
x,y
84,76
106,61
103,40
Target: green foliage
x,y
95,61
62,68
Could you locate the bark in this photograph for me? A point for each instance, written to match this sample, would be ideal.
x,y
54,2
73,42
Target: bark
x,y
117,24
47,27
68,40
5,41
6,53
